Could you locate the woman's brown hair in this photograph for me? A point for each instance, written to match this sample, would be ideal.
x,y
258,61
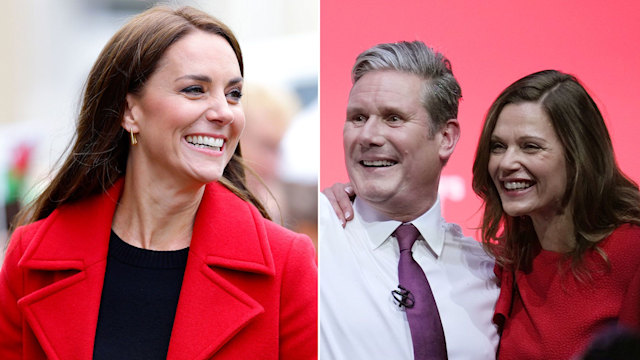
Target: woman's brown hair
x,y
601,197
99,153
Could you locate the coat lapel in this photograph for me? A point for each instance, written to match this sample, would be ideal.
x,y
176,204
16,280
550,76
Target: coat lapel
x,y
69,254
228,235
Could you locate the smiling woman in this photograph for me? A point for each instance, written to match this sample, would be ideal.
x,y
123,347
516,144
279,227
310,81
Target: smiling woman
x,y
182,101
147,243
560,217
527,165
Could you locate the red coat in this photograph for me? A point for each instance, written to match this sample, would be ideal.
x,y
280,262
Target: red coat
x,y
249,288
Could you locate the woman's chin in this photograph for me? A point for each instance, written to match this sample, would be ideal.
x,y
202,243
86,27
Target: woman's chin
x,y
515,211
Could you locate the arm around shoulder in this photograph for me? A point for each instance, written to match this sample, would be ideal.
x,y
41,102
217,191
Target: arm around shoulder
x,y
299,302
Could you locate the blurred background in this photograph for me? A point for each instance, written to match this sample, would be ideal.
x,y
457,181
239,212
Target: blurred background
x,y
48,48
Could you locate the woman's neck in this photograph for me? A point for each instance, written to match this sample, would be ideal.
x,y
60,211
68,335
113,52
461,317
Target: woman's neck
x,y
158,216
555,233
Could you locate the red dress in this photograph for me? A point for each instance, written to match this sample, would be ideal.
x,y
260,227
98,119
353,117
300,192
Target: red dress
x,y
552,315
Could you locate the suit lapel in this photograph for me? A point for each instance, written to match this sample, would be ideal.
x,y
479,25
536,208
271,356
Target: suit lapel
x,y
228,235
68,253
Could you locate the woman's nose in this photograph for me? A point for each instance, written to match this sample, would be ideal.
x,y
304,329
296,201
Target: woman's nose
x,y
510,160
219,110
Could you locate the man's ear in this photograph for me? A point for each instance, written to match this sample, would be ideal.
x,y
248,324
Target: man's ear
x,y
129,121
449,136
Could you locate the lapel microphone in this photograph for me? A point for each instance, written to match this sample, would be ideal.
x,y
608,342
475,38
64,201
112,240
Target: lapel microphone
x,y
403,297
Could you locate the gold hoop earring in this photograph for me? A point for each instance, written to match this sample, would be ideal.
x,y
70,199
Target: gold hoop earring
x,y
134,141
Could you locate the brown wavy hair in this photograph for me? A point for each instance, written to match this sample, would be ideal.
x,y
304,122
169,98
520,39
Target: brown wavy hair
x,y
100,149
600,195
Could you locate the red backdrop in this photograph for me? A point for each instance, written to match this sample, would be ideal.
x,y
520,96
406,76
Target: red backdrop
x,y
490,44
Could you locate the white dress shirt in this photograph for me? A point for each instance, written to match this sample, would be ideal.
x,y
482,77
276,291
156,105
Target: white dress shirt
x,y
359,318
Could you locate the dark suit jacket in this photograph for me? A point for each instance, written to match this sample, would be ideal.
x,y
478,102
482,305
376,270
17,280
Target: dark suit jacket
x,y
249,288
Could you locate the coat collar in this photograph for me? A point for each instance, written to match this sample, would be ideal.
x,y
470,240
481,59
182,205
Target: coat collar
x,y
229,233
72,244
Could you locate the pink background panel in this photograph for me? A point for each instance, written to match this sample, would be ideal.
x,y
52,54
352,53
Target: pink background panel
x,y
490,45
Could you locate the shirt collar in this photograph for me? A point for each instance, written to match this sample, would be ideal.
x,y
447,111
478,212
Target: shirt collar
x,y
380,227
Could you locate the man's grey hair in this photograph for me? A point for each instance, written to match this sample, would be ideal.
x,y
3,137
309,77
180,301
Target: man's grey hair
x,y
441,92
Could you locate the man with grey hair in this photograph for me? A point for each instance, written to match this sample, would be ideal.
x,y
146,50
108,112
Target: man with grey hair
x,y
436,300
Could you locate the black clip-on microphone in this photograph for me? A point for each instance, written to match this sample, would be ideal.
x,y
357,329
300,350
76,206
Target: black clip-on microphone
x,y
403,297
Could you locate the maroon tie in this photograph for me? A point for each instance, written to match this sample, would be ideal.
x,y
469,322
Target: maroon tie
x,y
422,312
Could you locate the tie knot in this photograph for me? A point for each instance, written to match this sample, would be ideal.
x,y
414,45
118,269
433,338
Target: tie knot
x,y
406,235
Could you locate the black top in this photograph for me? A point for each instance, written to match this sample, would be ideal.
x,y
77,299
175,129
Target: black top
x,y
139,300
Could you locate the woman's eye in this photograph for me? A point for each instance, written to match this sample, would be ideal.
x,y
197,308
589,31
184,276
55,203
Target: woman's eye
x,y
531,147
193,90
496,147
234,95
